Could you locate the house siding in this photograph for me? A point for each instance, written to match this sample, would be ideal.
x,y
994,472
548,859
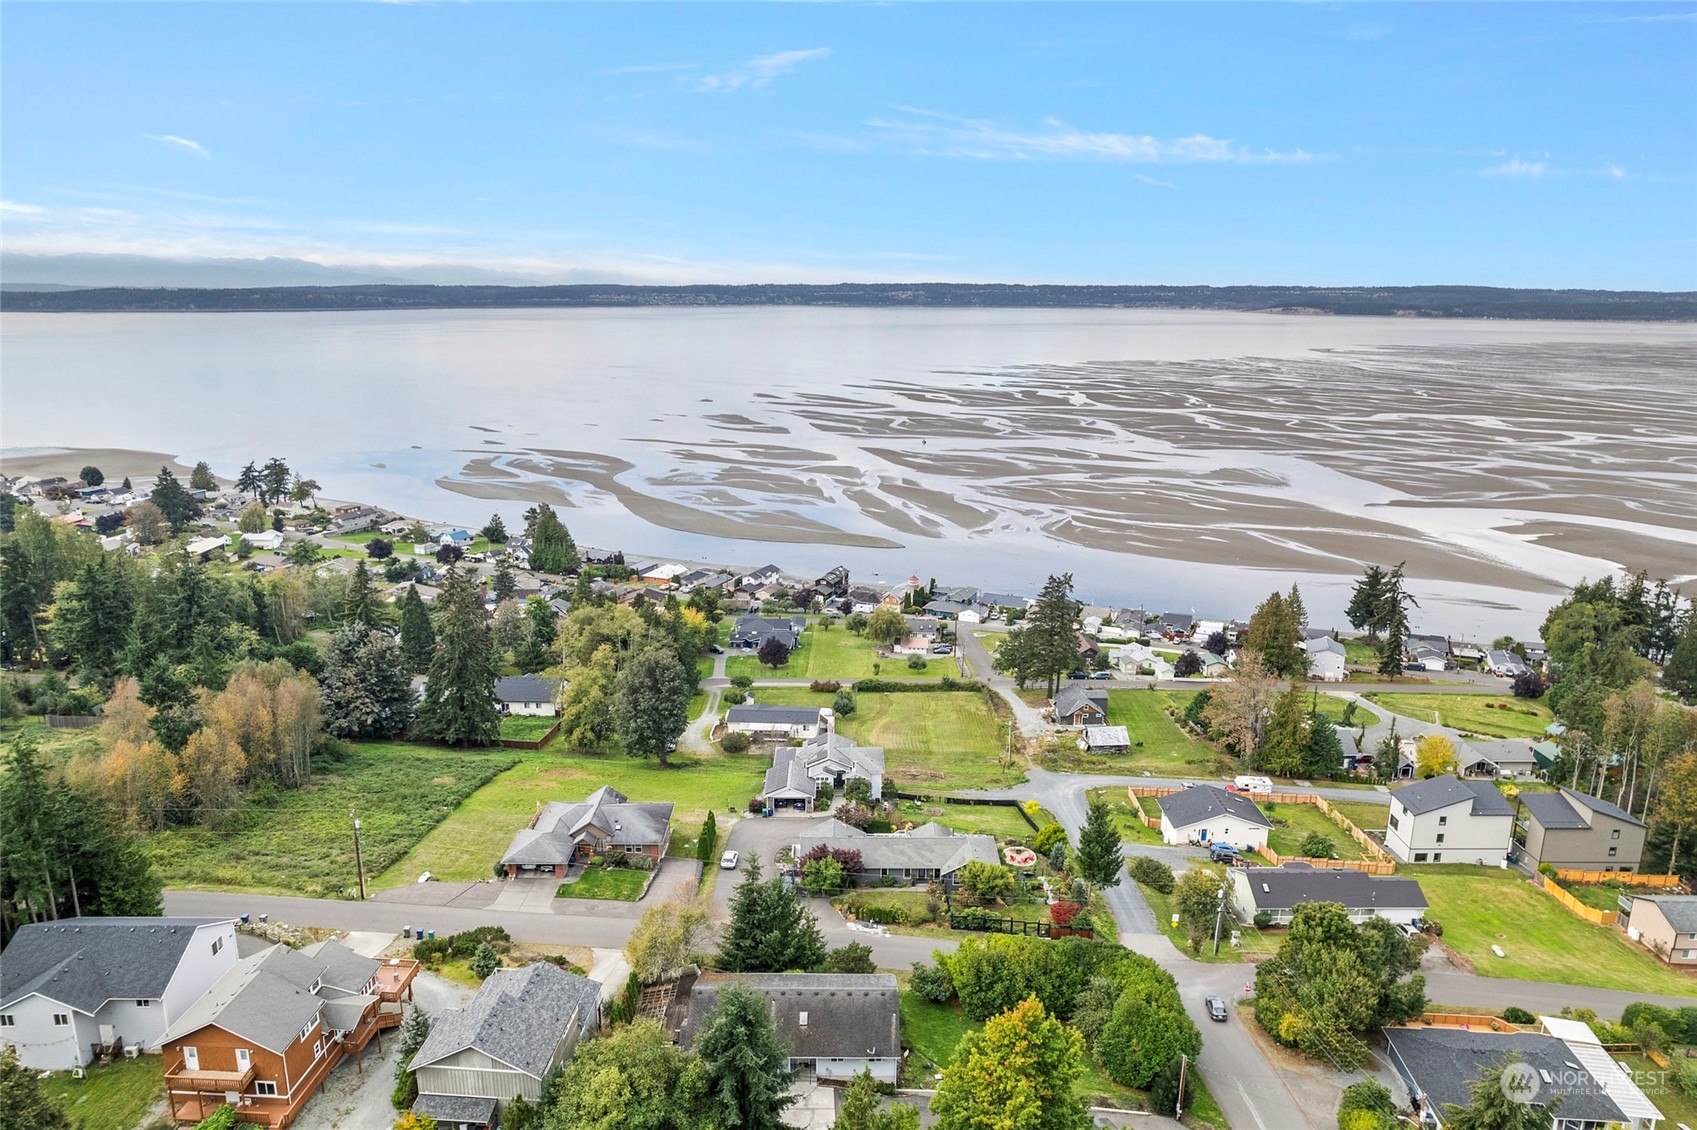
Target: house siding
x,y
1659,937
1466,838
198,971
297,1073
43,1045
1586,848
1222,830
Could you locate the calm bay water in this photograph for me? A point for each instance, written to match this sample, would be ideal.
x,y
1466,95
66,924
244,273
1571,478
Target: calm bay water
x,y
1149,452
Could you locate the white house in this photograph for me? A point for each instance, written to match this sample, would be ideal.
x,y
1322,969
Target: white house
x,y
264,539
786,722
1278,891
1447,820
1210,815
67,986
1325,659
527,694
1136,659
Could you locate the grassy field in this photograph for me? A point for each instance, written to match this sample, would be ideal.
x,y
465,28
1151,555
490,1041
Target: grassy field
x,y
1480,713
113,1097
931,740
1602,897
1003,822
622,883
1157,744
526,727
1333,707
1481,907
468,842
1677,1107
838,654
1291,822
698,700
1363,814
1359,653
303,844
1132,830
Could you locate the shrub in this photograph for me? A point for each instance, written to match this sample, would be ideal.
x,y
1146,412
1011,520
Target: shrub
x,y
1685,1075
858,791
742,682
709,839
1147,1030
735,742
1318,845
1063,912
1152,873
1548,870
855,957
431,951
224,1118
822,876
406,1090
1058,855
988,882
1517,1015
1047,837
1529,684
843,704
485,961
1263,919
932,983
916,663
1366,1105
824,686
1671,1023
855,816
1163,1089
756,805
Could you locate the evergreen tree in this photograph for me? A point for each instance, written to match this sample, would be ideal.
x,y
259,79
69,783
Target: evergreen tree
x,y
201,478
367,687
771,931
249,482
92,617
1680,674
531,655
495,532
418,635
1495,1104
745,1067
1099,859
552,549
859,1108
24,1104
1325,749
1049,633
633,1078
92,476
459,698
173,501
502,583
1284,749
1392,621
1298,611
1365,602
542,621
361,604
1275,631
274,481
651,703
125,485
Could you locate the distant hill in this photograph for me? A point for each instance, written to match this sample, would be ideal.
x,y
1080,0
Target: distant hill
x,y
1414,301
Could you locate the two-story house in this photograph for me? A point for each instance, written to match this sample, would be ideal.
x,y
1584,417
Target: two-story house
x,y
1570,830
265,1036
1666,925
81,986
1446,820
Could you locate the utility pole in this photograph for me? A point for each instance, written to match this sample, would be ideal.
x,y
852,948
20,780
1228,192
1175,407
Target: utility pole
x,y
1219,920
1183,1075
359,858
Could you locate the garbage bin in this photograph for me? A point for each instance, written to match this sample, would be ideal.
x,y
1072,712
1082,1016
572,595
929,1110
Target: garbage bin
x,y
244,920
431,934
406,931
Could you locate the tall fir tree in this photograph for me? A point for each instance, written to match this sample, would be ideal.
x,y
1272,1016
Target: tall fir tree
x,y
367,687
92,617
651,702
771,930
1680,674
1365,601
1324,756
502,582
459,698
361,604
1049,635
418,634
1099,858
495,531
552,549
173,501
1284,749
745,1067
249,482
1274,632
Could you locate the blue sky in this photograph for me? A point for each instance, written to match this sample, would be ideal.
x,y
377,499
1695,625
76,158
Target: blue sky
x,y
1523,144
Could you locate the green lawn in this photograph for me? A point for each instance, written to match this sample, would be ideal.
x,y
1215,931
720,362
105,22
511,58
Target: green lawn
x,y
1357,652
1677,1107
1604,897
1132,830
932,740
468,842
1251,940
698,699
526,727
1291,822
1493,715
1367,816
1001,821
1157,743
620,883
303,844
1333,707
838,654
1480,907
113,1097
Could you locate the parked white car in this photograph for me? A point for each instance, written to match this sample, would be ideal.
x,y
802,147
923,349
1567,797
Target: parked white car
x,y
729,860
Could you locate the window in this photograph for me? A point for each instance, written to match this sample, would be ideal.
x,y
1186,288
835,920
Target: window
x,y
264,1087
1689,954
1615,835
8,1021
1393,820
1437,857
1420,857
1443,820
1612,852
318,1047
61,1019
217,944
144,1004
1440,837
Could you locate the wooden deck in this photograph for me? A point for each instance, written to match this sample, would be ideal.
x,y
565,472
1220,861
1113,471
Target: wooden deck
x,y
395,978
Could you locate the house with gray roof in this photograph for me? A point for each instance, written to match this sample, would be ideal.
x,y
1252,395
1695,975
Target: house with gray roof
x,y
786,722
527,694
563,834
834,1024
1570,830
1666,925
1076,704
1435,1068
964,611
924,854
1278,891
793,780
522,1025
271,1030
1325,659
75,985
1207,814
751,632
1105,739
1448,820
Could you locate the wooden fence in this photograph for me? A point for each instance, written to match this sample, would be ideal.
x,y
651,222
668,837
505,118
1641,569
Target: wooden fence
x,y
1481,1022
997,924
1624,878
534,743
1574,906
1137,807
1368,866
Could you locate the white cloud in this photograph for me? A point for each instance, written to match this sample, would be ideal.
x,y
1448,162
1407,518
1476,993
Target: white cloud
x,y
1515,167
759,71
940,135
1362,33
13,208
1614,172
182,143
649,69
1652,18
1156,183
